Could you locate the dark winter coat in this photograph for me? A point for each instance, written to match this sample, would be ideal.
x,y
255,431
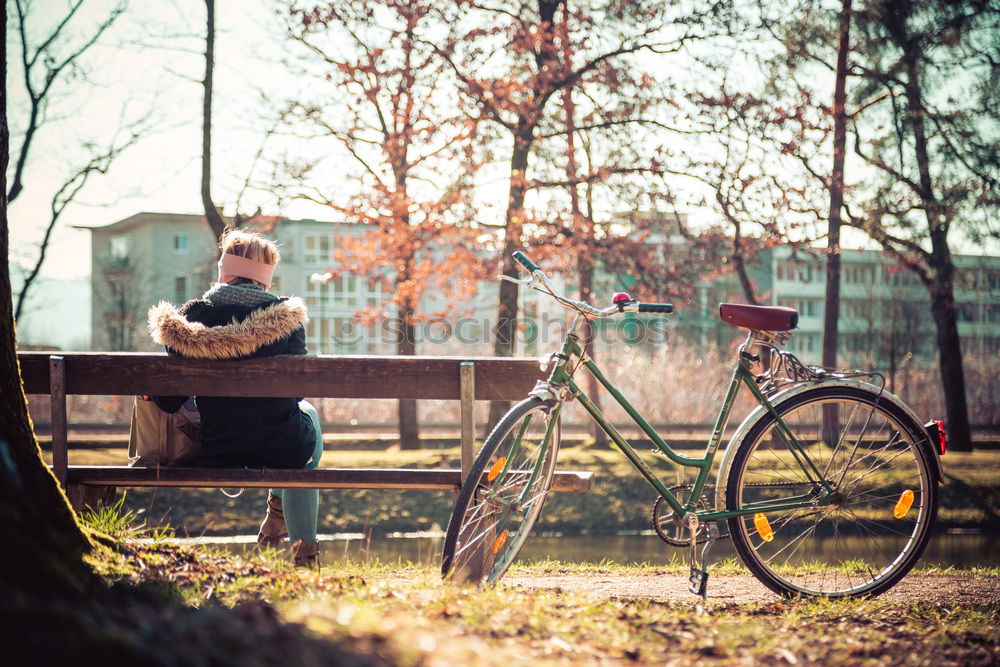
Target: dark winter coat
x,y
240,322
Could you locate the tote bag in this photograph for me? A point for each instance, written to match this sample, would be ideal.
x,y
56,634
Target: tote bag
x,y
158,438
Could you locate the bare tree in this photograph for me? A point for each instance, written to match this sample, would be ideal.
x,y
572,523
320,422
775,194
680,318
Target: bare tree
x,y
65,195
44,65
516,94
215,221
121,301
927,127
57,58
402,136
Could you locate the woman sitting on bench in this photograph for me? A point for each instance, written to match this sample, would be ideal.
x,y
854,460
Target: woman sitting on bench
x,y
237,318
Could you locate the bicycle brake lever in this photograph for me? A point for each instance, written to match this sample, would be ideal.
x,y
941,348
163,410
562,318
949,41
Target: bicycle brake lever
x,y
527,282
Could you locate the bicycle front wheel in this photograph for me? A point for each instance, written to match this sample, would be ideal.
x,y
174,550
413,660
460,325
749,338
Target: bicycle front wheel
x,y
503,494
884,500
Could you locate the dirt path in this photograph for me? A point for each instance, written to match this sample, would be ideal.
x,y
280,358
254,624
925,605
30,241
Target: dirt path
x,y
937,588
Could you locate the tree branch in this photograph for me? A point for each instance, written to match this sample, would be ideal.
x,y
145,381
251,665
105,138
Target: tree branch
x,y
63,198
37,98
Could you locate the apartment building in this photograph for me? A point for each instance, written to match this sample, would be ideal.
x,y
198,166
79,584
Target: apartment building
x,y
885,311
149,257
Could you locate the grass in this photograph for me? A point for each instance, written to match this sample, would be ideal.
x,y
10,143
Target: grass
x,y
116,521
120,522
257,609
403,614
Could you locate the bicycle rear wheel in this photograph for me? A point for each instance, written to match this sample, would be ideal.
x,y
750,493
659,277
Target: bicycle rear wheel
x,y
864,541
503,495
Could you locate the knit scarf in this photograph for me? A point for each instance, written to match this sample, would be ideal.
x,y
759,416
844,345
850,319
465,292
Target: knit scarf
x,y
247,294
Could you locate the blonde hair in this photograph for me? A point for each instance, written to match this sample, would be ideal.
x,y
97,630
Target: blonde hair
x,y
250,245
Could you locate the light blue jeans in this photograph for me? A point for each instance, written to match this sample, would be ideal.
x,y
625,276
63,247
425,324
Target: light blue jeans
x,y
301,506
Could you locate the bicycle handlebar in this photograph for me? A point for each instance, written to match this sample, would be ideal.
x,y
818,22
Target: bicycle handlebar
x,y
538,276
525,261
656,308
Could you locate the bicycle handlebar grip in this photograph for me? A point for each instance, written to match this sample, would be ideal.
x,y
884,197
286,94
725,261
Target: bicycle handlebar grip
x,y
656,308
524,261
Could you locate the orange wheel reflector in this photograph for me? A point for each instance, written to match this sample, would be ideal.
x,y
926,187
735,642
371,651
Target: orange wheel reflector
x,y
499,542
495,470
763,527
903,505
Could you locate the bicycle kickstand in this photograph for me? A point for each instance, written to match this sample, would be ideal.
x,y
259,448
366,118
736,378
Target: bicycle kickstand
x,y
698,579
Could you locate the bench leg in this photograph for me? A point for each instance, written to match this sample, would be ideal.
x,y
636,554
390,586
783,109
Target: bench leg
x,y
82,496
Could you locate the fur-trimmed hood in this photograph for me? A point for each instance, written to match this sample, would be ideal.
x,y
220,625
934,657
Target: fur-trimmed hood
x,y
168,326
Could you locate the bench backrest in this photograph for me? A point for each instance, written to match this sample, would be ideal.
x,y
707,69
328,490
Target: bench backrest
x,y
127,373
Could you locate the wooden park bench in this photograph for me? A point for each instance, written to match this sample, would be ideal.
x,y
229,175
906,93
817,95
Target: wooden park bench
x,y
130,374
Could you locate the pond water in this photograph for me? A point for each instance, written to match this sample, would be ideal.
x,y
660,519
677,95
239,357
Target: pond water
x,y
957,550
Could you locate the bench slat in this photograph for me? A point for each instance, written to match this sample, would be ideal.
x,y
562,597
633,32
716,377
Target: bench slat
x,y
126,374
445,479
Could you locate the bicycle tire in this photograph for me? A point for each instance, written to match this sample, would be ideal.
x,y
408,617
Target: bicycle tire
x,y
875,530
503,495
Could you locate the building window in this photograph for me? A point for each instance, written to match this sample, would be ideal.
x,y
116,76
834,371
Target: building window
x,y
119,249
345,293
804,307
180,289
181,243
966,279
318,249
966,312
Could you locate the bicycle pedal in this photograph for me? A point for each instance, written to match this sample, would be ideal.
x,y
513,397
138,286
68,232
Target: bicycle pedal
x,y
698,582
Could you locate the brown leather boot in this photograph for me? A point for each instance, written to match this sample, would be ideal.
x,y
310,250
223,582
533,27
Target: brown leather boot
x,y
305,554
272,530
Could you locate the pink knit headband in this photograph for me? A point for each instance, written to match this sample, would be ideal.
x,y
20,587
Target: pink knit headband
x,y
234,266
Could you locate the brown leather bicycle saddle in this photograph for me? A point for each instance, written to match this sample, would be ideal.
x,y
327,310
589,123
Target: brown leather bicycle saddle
x,y
760,318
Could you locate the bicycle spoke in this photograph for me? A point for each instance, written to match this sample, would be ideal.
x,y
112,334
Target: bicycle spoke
x,y
491,522
871,460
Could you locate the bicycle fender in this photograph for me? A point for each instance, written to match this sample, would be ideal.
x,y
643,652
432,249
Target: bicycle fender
x,y
758,413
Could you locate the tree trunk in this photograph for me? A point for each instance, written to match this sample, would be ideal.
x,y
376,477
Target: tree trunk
x,y
741,269
212,215
406,344
585,268
950,359
584,227
831,310
942,270
43,541
506,326
831,305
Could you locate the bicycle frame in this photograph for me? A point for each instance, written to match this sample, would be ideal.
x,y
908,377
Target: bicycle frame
x,y
561,384
796,407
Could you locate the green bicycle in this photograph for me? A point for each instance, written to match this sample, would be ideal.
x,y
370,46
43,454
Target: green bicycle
x,y
823,457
